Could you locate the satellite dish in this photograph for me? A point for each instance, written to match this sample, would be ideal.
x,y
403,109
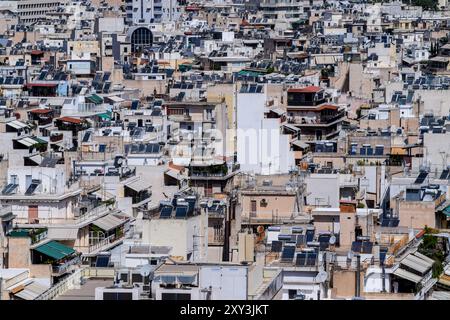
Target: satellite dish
x,y
332,240
145,270
322,276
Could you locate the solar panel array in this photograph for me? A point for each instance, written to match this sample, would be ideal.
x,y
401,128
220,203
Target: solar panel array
x,y
181,212
277,246
102,261
12,81
32,188
287,255
362,247
178,209
306,259
444,174
309,235
9,188
251,88
143,148
166,212
421,178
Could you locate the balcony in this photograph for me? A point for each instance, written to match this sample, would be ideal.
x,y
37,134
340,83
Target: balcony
x,y
321,121
67,266
56,137
105,244
180,117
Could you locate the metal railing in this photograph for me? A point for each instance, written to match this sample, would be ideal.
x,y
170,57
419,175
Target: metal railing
x,y
95,212
103,243
65,267
71,282
75,280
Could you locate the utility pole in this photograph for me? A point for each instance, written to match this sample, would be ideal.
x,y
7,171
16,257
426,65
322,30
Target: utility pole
x,y
226,240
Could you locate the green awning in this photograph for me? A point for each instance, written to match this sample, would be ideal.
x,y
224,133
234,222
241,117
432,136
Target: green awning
x,y
250,73
95,99
55,250
40,140
105,116
446,211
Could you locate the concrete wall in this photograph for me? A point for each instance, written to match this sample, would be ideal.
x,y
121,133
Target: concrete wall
x,y
347,228
344,283
324,188
417,214
437,150
178,234
19,253
281,206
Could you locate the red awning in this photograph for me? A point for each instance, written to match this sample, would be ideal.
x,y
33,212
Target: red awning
x,y
310,89
71,120
41,111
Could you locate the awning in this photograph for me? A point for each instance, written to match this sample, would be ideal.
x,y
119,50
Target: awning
x,y
300,144
446,211
108,222
115,99
407,275
37,158
139,185
28,142
95,99
55,250
31,291
278,111
424,258
417,264
70,120
399,151
325,60
62,233
445,280
173,174
291,127
17,124
105,116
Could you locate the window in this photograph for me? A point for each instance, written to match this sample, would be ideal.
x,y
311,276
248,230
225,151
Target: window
x,y
253,207
14,179
175,296
292,293
140,38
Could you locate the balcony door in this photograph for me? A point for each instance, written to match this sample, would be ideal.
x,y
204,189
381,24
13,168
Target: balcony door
x,y
32,214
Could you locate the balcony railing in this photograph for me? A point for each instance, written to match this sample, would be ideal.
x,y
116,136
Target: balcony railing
x,y
104,242
65,267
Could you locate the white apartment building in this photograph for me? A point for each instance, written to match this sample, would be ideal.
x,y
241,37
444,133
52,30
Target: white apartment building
x,y
151,11
30,11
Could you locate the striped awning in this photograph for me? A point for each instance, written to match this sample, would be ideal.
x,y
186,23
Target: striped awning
x,y
17,124
402,273
139,185
55,250
108,222
62,233
31,291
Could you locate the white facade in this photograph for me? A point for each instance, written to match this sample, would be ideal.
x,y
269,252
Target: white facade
x,y
261,148
186,237
226,282
150,11
322,189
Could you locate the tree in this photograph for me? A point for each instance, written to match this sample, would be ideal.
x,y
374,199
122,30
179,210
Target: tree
x,y
426,4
